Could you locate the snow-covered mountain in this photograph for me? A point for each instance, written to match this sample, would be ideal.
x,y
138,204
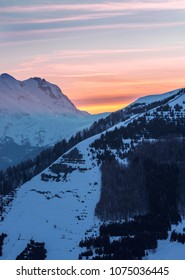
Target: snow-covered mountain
x,y
57,207
34,96
35,113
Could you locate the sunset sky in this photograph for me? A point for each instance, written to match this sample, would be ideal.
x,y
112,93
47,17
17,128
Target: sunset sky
x,y
102,54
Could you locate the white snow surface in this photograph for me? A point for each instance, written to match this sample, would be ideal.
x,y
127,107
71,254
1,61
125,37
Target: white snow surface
x,y
155,97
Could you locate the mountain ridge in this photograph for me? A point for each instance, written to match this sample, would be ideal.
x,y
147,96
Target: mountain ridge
x,y
34,114
156,97
71,185
32,96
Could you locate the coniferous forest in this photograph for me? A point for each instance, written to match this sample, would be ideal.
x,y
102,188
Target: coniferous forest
x,y
153,181
142,199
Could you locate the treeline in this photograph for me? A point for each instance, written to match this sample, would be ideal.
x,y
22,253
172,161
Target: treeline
x,y
33,251
128,240
2,237
140,107
153,182
179,237
159,224
15,176
154,128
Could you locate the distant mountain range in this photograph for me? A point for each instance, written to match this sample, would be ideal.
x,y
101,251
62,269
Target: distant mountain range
x,y
33,114
127,165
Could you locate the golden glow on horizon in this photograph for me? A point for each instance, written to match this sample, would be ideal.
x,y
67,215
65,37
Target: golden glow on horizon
x,y
101,60
108,85
99,94
96,109
110,103
130,94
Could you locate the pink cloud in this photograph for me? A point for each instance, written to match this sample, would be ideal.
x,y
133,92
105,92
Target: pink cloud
x,y
64,19
14,34
106,6
54,63
121,79
85,53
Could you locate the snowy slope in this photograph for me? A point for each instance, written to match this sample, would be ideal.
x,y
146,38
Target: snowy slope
x,y
155,97
58,208
57,213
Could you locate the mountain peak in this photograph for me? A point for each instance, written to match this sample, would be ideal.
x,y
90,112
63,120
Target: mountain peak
x,y
53,91
38,79
6,76
35,95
